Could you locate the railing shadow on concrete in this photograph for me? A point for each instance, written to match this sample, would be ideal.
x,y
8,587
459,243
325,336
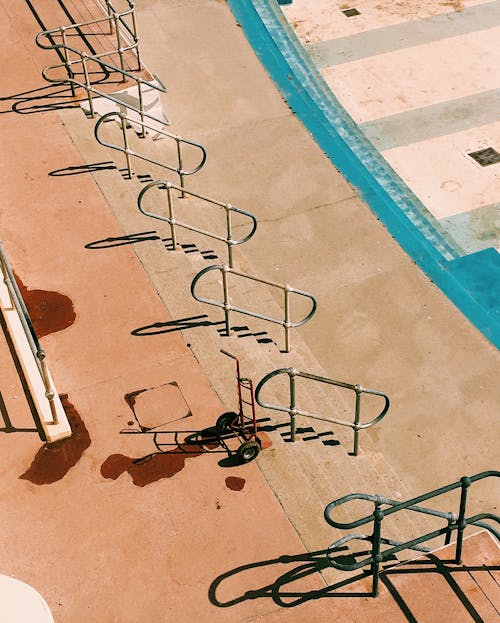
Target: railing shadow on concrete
x,y
40,99
289,569
442,569
304,565
293,411
8,426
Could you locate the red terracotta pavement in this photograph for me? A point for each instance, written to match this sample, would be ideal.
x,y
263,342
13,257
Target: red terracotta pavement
x,y
100,537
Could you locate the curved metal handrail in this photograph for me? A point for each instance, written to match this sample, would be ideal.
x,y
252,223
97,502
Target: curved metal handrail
x,y
58,30
179,140
112,68
112,17
155,84
228,307
397,506
106,67
82,58
476,520
173,222
293,411
455,522
115,19
370,560
356,536
399,546
378,500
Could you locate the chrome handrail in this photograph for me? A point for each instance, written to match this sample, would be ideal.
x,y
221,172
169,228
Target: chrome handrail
x,y
125,121
174,222
293,411
455,522
228,307
82,58
91,90
39,355
116,21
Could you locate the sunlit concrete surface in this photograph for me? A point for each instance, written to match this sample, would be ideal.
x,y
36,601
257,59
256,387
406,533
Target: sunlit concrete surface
x,y
422,81
126,521
447,178
321,21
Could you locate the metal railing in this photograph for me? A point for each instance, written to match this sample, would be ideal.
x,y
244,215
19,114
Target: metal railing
x,y
126,122
92,91
79,68
79,75
18,303
454,522
293,411
228,307
127,39
174,222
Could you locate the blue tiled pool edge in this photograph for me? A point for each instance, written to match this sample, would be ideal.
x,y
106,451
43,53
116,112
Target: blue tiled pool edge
x,y
471,282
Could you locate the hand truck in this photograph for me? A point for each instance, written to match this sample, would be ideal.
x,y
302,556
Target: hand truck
x,y
243,426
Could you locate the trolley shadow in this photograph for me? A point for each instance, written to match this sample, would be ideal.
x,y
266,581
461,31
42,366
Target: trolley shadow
x,y
172,450
190,443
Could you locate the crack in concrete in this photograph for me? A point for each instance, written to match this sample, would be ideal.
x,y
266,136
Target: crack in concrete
x,y
311,209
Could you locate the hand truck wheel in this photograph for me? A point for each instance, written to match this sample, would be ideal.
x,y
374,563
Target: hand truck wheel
x,y
224,422
248,451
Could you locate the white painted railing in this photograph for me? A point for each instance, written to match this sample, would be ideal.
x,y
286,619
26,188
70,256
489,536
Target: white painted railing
x,y
50,415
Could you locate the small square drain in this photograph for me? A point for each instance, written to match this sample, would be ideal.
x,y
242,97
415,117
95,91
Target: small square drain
x,y
351,12
486,156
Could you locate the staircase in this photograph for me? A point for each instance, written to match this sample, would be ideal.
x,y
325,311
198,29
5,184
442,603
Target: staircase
x,y
449,522
306,475
433,588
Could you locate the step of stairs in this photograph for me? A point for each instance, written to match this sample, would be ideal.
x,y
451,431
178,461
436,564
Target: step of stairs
x,y
308,474
434,588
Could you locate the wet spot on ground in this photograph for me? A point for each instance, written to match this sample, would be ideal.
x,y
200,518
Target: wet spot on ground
x,y
153,467
49,311
234,483
53,461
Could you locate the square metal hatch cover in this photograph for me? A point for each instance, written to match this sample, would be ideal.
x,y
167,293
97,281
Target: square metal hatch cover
x,y
485,156
351,12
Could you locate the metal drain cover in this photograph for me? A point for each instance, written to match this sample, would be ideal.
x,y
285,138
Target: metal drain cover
x,y
351,12
486,156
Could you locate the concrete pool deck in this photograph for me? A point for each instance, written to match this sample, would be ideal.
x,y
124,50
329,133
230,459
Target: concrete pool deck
x,y
400,127
108,528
